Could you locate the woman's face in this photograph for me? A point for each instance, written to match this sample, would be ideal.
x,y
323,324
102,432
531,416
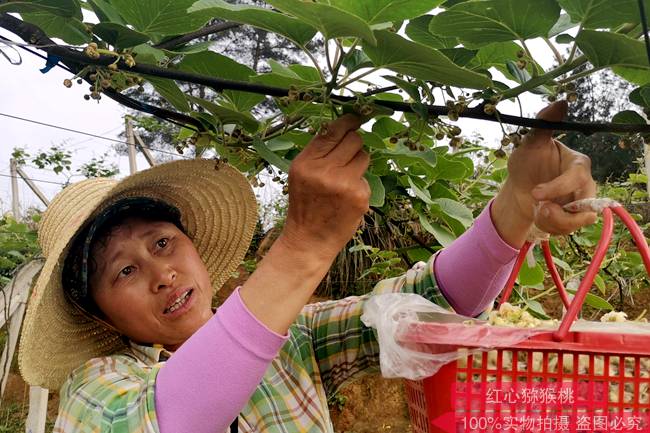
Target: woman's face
x,y
151,284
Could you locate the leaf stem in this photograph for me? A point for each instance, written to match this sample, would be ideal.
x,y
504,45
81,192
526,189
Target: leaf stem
x,y
542,79
357,78
314,61
580,75
556,53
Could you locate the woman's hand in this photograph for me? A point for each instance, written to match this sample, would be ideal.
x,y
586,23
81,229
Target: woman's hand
x,y
543,174
328,194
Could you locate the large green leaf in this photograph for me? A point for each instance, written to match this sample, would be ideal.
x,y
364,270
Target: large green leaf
x,y
381,11
71,30
595,14
640,77
377,190
418,30
211,64
119,36
482,22
171,92
594,301
266,19
609,49
455,210
442,235
629,116
269,156
64,8
641,96
530,276
159,18
225,115
105,12
332,22
450,169
419,61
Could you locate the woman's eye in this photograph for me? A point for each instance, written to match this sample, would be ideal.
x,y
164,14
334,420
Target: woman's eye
x,y
126,271
162,243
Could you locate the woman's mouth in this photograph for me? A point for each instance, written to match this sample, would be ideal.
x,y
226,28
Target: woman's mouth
x,y
180,304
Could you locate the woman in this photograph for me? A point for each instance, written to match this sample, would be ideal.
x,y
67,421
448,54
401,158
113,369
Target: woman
x,y
121,314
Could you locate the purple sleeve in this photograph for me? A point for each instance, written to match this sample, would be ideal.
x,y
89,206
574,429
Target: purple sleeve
x,y
472,271
209,379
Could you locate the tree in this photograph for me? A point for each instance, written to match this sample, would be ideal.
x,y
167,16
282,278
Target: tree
x,y
597,96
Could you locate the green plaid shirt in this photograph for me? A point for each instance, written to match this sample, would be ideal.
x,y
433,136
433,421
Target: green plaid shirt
x,y
328,347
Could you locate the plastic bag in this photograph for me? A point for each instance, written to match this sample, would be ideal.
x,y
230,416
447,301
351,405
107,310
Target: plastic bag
x,y
417,337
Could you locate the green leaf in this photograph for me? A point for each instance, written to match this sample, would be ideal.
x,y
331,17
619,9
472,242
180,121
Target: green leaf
x,y
564,39
419,61
495,54
269,156
418,31
482,22
105,12
377,190
522,76
562,264
372,140
450,169
64,8
420,193
600,284
596,14
418,254
332,22
225,115
536,309
385,127
530,276
455,210
404,156
119,36
442,235
191,49
595,301
357,59
562,25
381,11
71,30
641,96
410,88
460,56
640,77
171,92
147,54
211,64
262,18
609,49
629,116
159,18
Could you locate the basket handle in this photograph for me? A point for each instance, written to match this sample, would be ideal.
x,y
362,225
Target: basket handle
x,y
574,307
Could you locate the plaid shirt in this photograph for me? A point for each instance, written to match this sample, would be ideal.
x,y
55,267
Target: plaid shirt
x,y
328,347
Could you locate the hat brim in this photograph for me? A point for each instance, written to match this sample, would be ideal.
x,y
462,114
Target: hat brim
x,y
218,211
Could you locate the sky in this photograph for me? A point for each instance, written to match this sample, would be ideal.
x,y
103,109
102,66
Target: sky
x,y
26,92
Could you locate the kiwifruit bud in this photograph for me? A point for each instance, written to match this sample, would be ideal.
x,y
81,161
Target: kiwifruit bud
x,y
500,153
67,83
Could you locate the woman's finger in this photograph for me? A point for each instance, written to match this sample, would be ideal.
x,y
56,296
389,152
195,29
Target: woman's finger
x,y
551,218
346,150
359,164
331,135
576,177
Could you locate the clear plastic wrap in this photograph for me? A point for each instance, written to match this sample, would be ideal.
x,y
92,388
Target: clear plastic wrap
x,y
417,337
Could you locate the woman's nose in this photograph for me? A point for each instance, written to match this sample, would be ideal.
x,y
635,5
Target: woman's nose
x,y
164,276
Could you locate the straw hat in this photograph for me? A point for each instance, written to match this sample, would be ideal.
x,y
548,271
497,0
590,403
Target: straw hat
x,y
218,211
